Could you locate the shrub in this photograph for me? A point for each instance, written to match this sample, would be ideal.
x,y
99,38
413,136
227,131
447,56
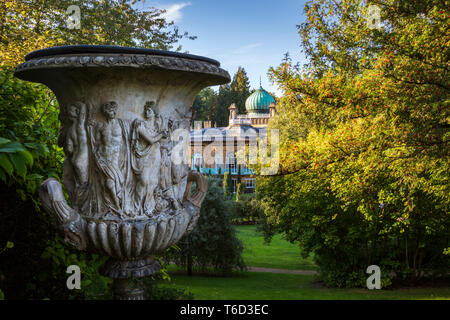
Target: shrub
x,y
345,241
227,184
247,210
213,244
238,191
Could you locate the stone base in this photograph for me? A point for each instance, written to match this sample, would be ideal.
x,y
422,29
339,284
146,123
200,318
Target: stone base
x,y
118,269
123,272
124,289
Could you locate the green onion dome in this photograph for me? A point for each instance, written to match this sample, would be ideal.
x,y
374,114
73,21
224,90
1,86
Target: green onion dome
x,y
259,101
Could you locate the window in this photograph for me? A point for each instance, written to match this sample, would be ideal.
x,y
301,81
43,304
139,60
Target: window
x,y
250,183
231,162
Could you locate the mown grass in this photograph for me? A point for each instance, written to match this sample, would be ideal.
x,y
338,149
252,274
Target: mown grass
x,y
279,253
271,286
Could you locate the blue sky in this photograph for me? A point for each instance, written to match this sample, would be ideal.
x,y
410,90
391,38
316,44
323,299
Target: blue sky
x,y
253,34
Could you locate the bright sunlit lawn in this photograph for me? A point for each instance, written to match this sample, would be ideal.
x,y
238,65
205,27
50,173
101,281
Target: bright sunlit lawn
x,y
281,254
278,254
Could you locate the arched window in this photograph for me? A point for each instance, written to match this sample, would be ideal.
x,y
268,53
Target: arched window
x,y
231,162
197,160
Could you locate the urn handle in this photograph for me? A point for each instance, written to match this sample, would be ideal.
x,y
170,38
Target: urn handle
x,y
70,221
200,191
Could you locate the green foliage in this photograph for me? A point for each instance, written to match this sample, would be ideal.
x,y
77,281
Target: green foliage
x,y
153,291
202,108
238,191
28,127
227,184
211,105
93,285
247,209
213,243
364,141
31,25
240,89
14,158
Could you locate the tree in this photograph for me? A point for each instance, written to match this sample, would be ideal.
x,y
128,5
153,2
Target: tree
x,y
204,104
364,141
240,89
238,191
213,242
239,176
224,100
27,25
227,184
209,105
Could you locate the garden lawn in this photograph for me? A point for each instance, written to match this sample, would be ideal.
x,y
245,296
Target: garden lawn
x,y
279,254
271,286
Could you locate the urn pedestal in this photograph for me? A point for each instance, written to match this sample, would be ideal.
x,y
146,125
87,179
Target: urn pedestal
x,y
125,118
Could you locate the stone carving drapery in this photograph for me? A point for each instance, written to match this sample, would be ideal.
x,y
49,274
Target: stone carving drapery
x,y
130,162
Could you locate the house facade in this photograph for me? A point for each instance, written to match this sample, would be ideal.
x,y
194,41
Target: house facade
x,y
216,150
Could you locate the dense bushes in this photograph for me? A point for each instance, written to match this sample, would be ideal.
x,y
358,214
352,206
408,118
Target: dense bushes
x,y
35,267
364,141
345,241
247,209
213,244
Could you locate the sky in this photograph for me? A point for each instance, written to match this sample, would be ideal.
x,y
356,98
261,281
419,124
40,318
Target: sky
x,y
254,34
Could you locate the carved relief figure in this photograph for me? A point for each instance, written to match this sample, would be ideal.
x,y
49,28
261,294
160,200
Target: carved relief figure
x,y
162,204
73,139
109,137
166,163
166,145
178,171
76,143
145,158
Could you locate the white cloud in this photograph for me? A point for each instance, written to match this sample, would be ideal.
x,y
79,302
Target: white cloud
x,y
247,48
173,11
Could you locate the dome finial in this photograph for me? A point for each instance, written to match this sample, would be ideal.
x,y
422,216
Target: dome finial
x,y
259,101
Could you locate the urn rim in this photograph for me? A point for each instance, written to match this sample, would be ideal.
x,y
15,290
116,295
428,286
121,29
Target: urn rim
x,y
55,60
110,49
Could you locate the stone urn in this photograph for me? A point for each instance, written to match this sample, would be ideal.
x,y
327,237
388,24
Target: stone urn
x,y
125,118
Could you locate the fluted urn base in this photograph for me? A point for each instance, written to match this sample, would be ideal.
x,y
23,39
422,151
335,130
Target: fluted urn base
x,y
123,272
119,269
